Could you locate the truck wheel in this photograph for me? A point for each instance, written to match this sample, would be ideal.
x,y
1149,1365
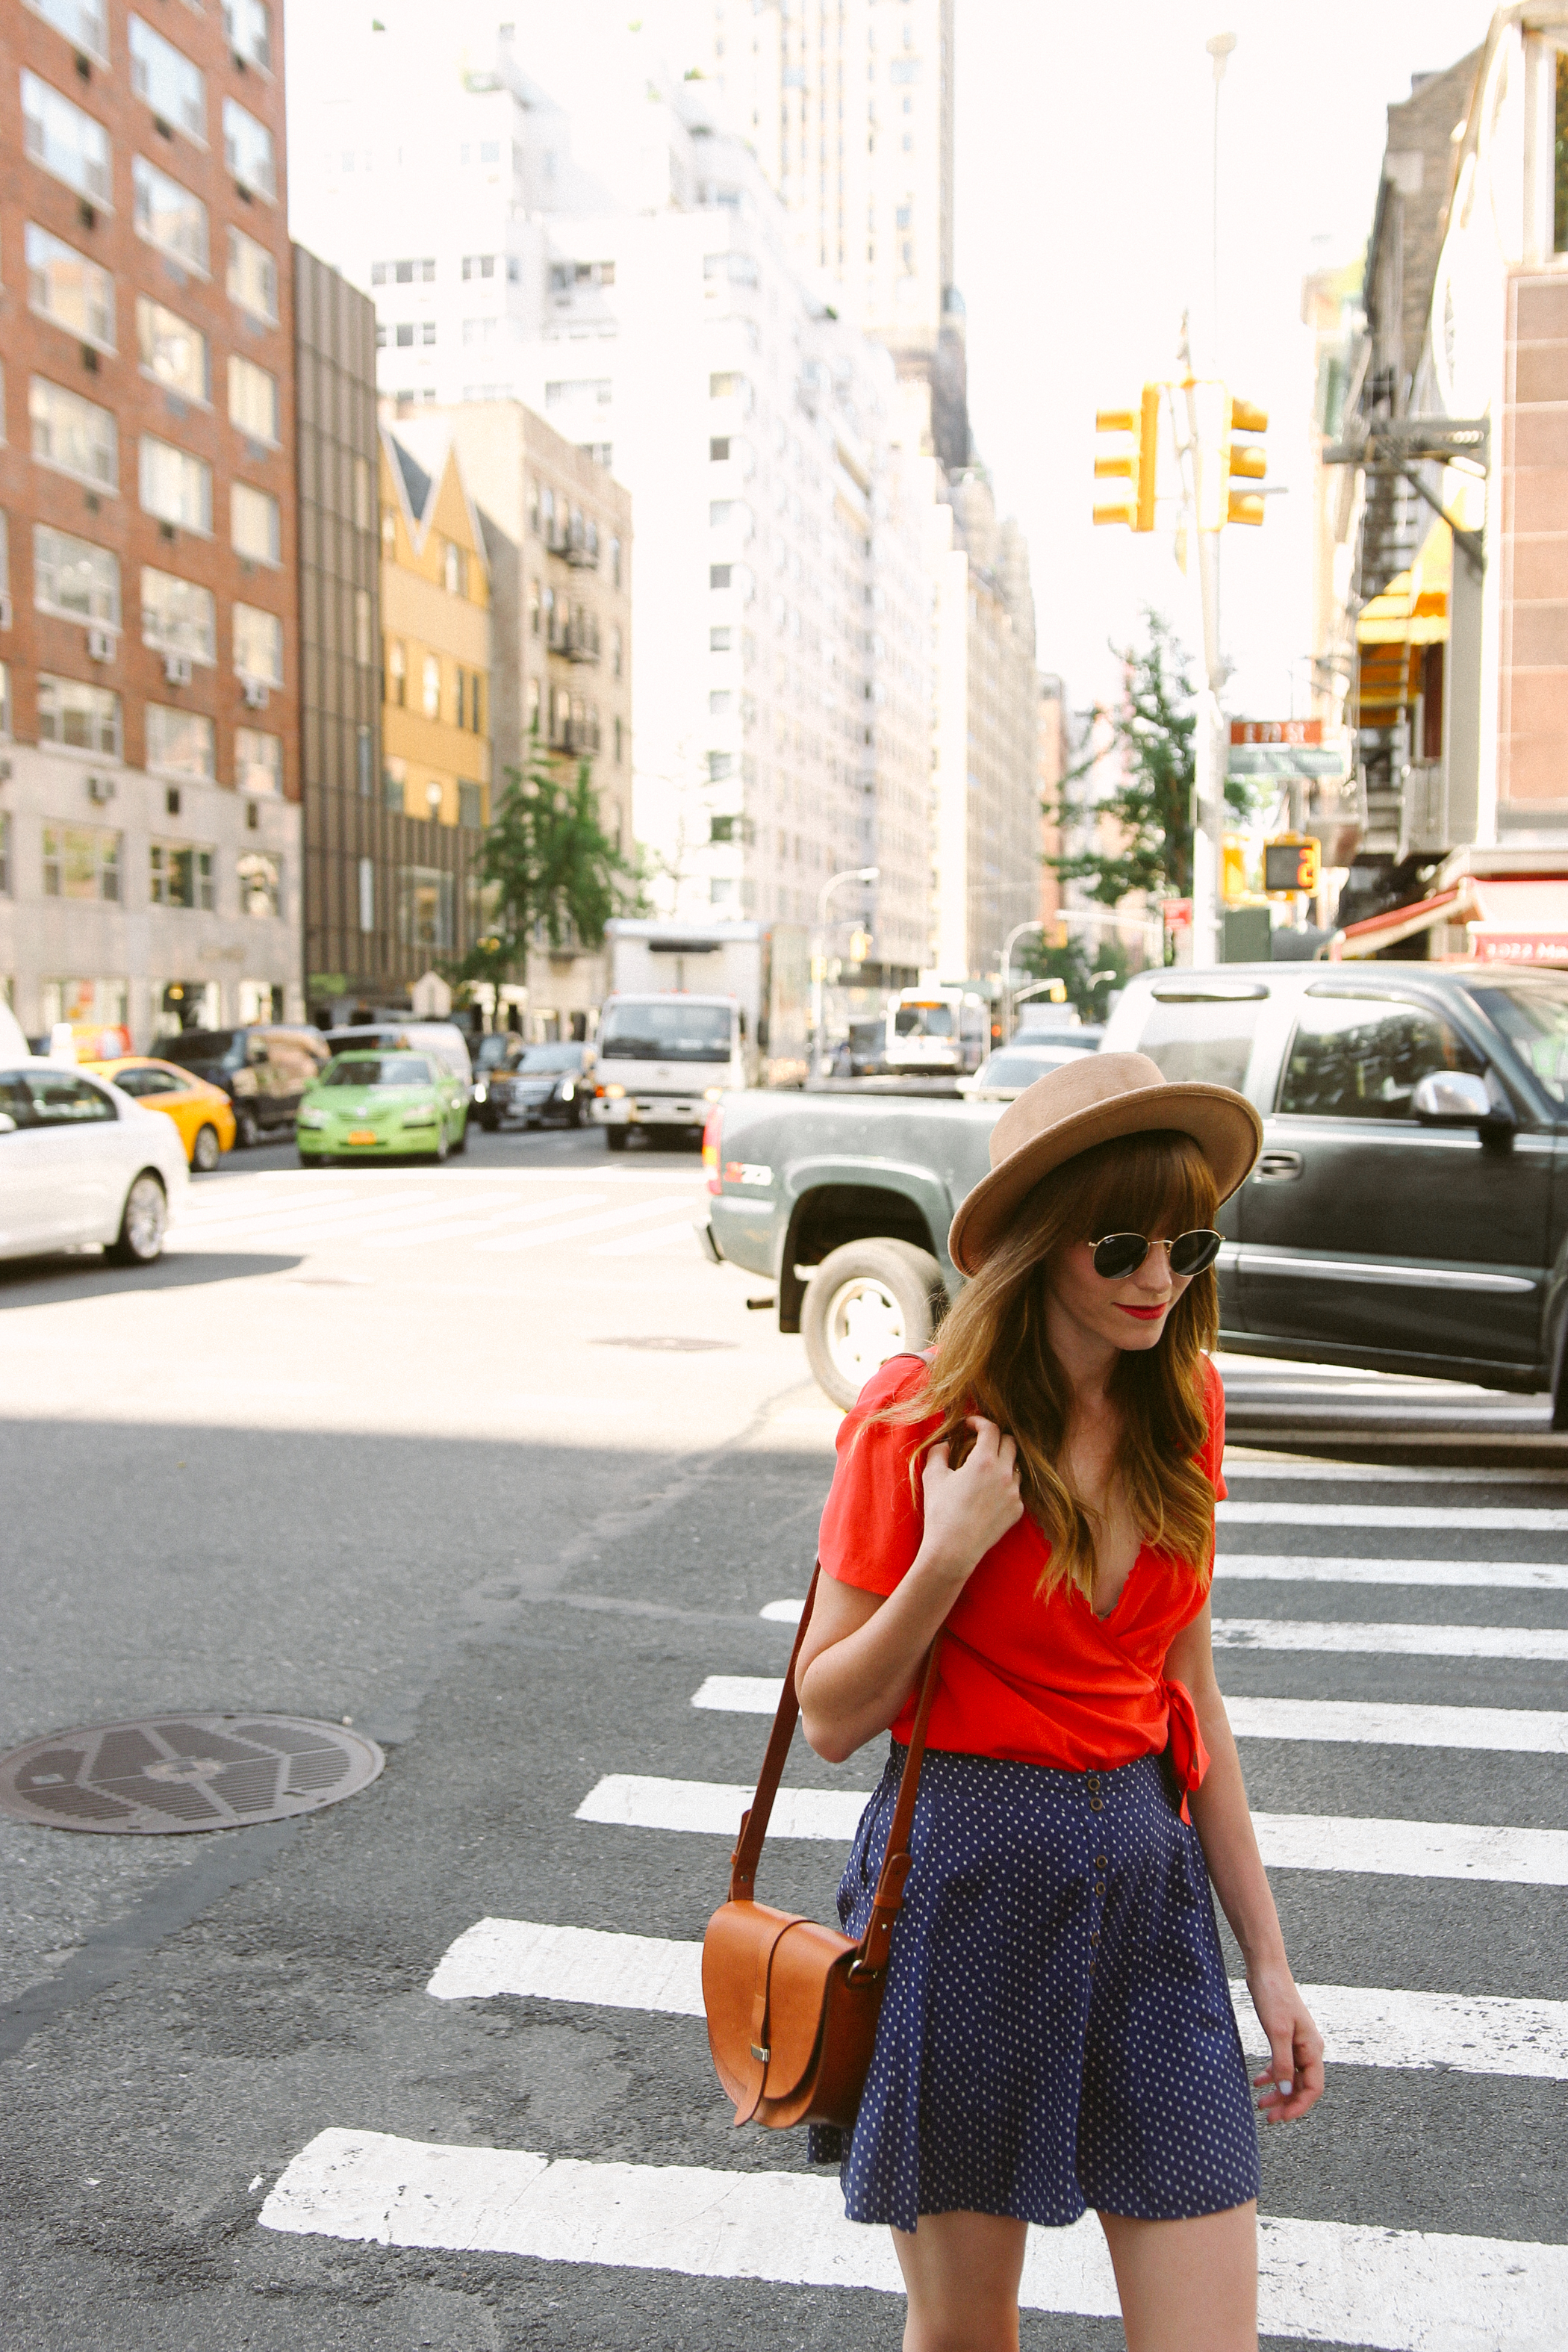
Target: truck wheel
x,y
616,1138
866,1302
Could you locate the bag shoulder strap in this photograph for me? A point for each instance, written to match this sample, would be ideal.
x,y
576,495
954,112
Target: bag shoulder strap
x,y
872,1955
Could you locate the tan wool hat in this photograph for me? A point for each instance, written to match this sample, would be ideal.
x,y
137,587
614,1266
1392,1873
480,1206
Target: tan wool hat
x,y
1092,1100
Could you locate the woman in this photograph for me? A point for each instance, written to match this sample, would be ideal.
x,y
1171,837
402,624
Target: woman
x,y
1057,2029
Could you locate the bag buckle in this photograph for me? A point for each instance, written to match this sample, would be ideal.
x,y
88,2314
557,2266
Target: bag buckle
x,y
762,2056
859,1968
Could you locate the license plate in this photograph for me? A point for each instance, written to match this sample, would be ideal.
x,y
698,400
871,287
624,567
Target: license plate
x,y
363,1135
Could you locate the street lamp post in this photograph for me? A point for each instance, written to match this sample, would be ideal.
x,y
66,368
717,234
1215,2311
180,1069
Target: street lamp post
x,y
818,953
1016,933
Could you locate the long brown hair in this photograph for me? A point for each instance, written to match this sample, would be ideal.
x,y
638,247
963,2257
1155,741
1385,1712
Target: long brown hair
x,y
993,1355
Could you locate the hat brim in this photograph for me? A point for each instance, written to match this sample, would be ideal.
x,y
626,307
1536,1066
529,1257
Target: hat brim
x,y
1224,1126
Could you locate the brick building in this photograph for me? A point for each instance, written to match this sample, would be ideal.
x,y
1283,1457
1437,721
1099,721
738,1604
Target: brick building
x,y
149,663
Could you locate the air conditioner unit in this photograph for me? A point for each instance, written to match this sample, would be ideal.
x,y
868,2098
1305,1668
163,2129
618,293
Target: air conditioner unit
x,y
101,789
100,645
255,693
177,669
4,612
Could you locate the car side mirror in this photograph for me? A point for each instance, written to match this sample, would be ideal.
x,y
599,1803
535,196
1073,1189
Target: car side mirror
x,y
1459,1098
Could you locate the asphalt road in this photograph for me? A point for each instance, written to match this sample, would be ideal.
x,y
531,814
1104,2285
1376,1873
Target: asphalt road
x,y
488,1460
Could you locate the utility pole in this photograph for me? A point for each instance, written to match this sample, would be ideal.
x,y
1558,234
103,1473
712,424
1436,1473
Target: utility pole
x,y
1211,751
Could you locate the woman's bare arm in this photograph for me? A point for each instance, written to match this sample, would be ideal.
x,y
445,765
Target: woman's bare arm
x,y
861,1651
1224,1822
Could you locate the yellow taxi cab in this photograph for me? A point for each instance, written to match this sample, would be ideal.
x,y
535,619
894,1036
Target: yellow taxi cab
x,y
204,1114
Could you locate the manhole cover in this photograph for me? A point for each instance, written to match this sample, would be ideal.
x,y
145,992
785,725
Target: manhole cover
x,y
173,1772
672,1345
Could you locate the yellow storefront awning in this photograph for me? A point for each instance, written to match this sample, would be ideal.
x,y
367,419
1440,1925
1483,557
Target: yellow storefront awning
x,y
1413,610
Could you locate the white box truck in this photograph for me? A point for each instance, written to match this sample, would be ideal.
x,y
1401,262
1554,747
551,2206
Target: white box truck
x,y
695,1009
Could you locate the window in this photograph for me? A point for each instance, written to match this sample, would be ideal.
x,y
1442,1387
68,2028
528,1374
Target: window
x,y
722,385
252,278
478,265
719,447
471,805
614,562
253,400
176,487
719,641
455,569
173,87
180,876
168,215
248,29
63,286
394,785
617,742
617,654
248,150
81,22
397,672
532,706
428,330
479,333
5,854
174,352
5,701
72,577
720,764
1362,1057
430,698
181,743
721,702
66,142
362,628
532,505
425,903
573,390
258,763
533,608
719,575
178,617
81,862
254,526
260,884
366,895
364,761
403,336
73,434
1203,1033
258,645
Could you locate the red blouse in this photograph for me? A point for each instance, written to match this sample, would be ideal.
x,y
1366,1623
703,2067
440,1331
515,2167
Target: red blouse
x,y
1036,1679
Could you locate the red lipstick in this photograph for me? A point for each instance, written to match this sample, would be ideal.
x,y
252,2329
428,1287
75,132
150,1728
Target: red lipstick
x,y
1144,1314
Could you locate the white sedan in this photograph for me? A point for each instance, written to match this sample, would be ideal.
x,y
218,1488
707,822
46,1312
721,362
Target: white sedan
x,y
81,1162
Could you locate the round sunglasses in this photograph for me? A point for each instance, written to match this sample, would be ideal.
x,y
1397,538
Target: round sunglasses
x,y
1120,1254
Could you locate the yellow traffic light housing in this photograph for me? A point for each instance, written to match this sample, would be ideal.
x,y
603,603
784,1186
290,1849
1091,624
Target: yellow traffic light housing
x,y
1137,467
1291,866
1244,460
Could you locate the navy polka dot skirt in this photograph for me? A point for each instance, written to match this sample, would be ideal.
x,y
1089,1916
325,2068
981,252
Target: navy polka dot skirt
x,y
1056,2030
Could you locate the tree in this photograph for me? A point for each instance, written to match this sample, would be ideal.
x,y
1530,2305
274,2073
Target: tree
x,y
1151,809
1086,977
550,873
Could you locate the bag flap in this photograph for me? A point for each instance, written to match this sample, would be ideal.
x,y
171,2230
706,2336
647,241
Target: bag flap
x,y
803,1961
738,1934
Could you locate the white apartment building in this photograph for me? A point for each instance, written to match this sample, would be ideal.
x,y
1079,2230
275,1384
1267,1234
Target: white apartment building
x,y
780,722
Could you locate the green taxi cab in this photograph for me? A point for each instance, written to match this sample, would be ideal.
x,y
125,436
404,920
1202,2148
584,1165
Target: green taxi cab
x,y
374,1106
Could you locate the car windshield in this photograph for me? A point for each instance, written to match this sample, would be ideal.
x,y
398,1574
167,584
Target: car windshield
x,y
204,1049
1020,1069
378,1070
495,1050
666,1032
924,1021
551,1057
1534,1020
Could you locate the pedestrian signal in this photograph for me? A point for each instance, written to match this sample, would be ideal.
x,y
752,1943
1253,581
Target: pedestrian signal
x,y
1137,467
1290,869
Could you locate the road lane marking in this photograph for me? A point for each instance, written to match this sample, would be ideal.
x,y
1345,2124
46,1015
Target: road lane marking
x,y
1363,2025
1391,1515
1345,1842
1397,2290
1548,1643
1516,1730
1483,1575
1379,1474
684,1231
782,1612
626,1215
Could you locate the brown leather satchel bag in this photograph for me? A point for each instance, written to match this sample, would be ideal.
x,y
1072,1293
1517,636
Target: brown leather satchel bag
x,y
791,2006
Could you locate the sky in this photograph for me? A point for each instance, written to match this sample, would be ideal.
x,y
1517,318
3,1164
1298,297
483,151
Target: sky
x,y
1083,181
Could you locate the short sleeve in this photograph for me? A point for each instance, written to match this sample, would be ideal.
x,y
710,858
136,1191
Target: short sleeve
x,y
872,1523
1213,1455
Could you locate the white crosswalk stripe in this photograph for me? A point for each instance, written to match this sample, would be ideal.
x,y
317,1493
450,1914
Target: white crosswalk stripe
x,y
1362,2025
396,1212
1482,1575
1398,2290
1461,1516
1519,1730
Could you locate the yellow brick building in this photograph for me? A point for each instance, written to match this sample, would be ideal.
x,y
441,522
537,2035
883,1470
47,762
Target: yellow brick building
x,y
436,648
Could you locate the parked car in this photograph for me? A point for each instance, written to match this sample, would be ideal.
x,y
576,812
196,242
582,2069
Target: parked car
x,y
264,1070
380,1106
545,1085
202,1112
1409,1212
1008,1072
82,1162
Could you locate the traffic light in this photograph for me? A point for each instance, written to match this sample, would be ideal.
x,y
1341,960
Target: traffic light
x,y
1232,869
1137,466
1244,460
1291,866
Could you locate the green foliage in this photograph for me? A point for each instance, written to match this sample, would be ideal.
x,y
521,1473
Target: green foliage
x,y
1151,813
550,873
1076,967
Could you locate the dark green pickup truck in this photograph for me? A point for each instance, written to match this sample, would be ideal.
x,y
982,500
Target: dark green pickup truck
x,y
1409,1212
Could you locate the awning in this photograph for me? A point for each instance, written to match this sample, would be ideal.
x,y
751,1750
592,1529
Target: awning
x,y
1519,921
1413,610
1379,931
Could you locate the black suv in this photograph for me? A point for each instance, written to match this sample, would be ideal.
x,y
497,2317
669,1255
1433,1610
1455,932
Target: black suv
x,y
264,1071
1410,1209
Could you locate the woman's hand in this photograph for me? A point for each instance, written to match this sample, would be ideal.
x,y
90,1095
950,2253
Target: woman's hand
x,y
1294,2077
969,1510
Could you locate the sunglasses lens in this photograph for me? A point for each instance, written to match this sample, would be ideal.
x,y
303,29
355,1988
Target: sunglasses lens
x,y
1192,1252
1120,1254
